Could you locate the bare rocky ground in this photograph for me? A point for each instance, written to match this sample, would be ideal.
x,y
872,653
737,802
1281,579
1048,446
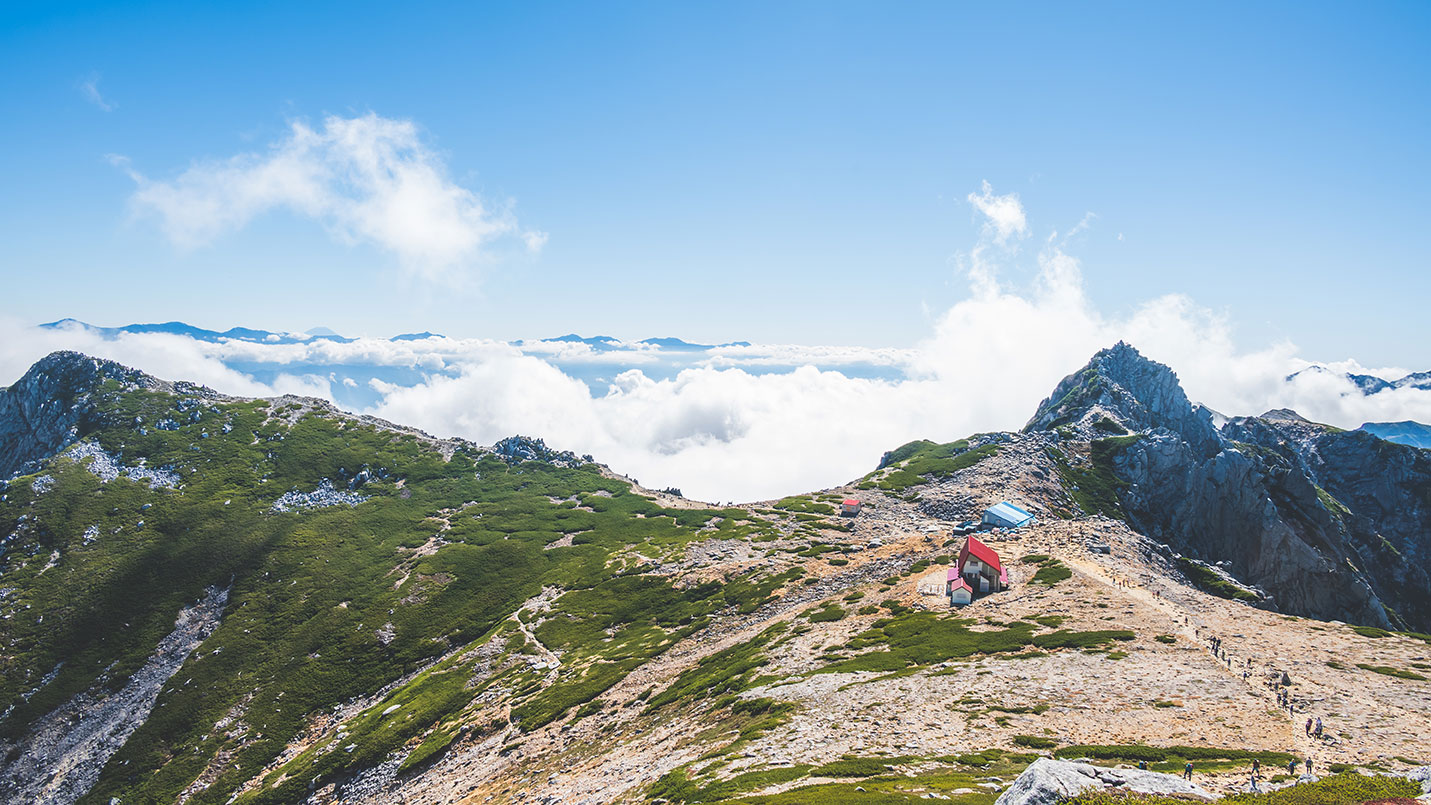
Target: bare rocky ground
x,y
1173,691
66,750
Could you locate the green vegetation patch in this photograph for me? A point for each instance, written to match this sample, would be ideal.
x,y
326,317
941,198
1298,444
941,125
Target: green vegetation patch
x,y
826,614
916,639
923,461
1370,631
727,671
1399,673
1051,573
1095,487
1341,789
1132,753
804,504
885,781
1210,582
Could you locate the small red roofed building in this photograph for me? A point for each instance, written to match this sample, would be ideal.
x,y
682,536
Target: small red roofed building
x,y
979,565
960,593
850,507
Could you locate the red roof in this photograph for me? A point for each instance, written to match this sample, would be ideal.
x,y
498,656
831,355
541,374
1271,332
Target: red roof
x,y
851,502
960,582
973,547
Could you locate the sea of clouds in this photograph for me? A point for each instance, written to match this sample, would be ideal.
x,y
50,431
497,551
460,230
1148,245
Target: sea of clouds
x,y
740,423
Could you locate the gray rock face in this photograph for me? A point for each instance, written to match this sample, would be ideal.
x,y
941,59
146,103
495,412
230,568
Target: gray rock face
x,y
516,449
50,406
1367,499
1047,781
1230,508
1329,524
61,757
1143,394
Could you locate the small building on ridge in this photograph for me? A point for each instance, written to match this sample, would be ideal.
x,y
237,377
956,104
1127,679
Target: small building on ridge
x,y
979,565
1006,515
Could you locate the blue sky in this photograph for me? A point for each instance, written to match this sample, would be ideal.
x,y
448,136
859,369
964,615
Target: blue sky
x,y
773,172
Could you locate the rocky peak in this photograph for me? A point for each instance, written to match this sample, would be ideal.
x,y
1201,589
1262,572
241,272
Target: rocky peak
x,y
516,449
51,404
1285,414
1138,393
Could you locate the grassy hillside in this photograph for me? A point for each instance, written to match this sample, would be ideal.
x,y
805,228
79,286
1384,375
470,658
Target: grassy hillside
x,y
333,602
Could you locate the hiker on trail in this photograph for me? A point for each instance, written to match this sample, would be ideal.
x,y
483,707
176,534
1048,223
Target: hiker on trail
x,y
1292,767
1309,764
1143,765
1309,728
1188,770
1256,768
1318,730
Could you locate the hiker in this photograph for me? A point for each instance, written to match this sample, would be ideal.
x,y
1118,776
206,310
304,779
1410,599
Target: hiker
x,y
1188,770
1309,764
1318,730
1143,765
1256,768
1308,728
1292,767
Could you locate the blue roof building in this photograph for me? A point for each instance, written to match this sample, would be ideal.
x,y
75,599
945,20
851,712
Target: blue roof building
x,y
1006,515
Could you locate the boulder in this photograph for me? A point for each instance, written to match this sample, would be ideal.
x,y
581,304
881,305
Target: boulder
x,y
1047,781
1422,775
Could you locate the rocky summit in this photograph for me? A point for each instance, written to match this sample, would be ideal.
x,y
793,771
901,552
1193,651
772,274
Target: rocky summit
x,y
211,599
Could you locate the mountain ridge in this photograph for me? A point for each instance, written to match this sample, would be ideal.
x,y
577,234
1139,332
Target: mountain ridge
x,y
426,620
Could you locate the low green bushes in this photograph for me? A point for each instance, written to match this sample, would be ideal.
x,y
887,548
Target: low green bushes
x,y
1167,754
924,638
1339,789
1399,673
1210,582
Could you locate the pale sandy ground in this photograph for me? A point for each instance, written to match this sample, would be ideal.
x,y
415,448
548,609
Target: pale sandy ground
x,y
1369,717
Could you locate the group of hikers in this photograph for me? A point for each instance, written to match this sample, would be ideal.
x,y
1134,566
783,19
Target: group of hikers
x,y
1256,776
1281,686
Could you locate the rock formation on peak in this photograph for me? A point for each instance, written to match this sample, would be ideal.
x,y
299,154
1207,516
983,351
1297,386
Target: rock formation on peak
x,y
1137,393
52,403
1321,520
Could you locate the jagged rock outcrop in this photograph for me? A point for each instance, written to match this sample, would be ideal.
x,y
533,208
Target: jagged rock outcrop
x,y
1138,393
1329,524
1266,522
1369,500
51,405
1047,781
516,449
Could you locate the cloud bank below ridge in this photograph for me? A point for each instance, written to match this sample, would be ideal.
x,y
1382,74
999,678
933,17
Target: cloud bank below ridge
x,y
738,423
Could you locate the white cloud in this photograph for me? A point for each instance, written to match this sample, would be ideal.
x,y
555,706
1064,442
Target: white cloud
x,y
89,88
367,179
1004,215
721,430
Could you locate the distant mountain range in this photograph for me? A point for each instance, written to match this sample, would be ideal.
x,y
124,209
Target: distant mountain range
x,y
1370,384
599,342
1412,433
